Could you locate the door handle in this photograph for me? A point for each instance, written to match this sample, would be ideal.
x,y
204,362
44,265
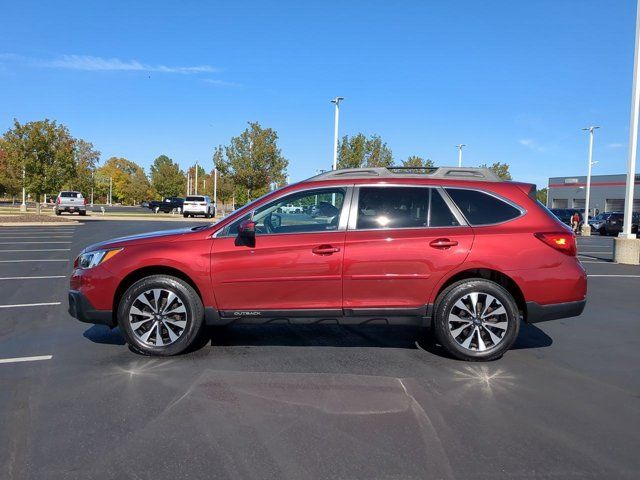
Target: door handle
x,y
443,243
325,250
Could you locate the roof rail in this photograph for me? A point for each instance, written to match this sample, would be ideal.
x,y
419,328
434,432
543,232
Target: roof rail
x,y
466,173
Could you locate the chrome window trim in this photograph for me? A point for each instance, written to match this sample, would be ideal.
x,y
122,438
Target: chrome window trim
x,y
342,225
353,215
522,211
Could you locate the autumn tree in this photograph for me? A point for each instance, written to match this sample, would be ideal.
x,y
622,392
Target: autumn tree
x,y
500,169
167,179
541,195
130,183
359,151
418,163
86,160
45,150
253,160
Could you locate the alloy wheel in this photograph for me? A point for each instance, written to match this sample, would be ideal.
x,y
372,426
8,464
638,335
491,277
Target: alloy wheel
x,y
158,317
478,321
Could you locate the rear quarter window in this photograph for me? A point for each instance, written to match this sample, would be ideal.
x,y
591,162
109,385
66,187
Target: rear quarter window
x,y
480,208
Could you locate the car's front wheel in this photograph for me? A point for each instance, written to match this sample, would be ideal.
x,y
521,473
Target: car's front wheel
x,y
160,315
476,319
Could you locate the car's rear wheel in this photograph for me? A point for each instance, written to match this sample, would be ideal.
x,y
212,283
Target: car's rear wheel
x,y
160,315
476,320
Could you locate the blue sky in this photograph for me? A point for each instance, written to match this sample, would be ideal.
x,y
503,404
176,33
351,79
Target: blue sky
x,y
514,80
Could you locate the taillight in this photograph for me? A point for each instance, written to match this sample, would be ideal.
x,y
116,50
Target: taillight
x,y
58,200
85,201
564,242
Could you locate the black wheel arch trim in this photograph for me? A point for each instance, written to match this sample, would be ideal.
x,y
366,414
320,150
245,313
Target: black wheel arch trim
x,y
542,313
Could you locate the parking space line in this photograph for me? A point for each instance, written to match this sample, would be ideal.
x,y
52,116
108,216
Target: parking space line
x,y
19,305
39,250
35,236
26,359
614,275
594,252
28,243
33,278
40,260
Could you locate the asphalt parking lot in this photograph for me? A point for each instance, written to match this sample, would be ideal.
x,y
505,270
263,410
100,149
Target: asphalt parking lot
x,y
302,402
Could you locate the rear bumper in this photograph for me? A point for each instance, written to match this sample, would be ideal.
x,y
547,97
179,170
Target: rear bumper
x,y
81,308
541,313
79,208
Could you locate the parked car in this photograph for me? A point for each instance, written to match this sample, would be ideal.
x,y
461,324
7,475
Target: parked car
x,y
167,205
611,223
566,214
198,205
71,202
289,209
456,249
597,222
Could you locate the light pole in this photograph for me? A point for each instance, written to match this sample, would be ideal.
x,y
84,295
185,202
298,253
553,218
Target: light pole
x,y
215,192
633,138
196,189
110,190
23,207
336,101
459,147
586,229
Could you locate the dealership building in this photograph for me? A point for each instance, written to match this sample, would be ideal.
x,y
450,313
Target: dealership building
x,y
607,193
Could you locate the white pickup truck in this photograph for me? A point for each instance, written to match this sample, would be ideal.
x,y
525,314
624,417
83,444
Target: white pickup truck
x,y
72,202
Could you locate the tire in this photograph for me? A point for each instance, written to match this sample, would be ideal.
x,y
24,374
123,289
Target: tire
x,y
602,232
178,330
83,213
184,215
485,340
58,212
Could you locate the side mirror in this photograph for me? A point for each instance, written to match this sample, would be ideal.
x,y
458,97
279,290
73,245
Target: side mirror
x,y
247,233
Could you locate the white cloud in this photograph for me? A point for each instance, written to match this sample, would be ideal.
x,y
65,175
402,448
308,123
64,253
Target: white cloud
x,y
532,144
221,83
100,64
616,145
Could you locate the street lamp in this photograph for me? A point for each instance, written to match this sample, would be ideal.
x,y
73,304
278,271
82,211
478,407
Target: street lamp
x,y
215,192
586,229
336,101
23,207
459,147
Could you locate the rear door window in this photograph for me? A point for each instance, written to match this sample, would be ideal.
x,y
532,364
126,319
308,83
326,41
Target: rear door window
x,y
195,199
480,208
402,207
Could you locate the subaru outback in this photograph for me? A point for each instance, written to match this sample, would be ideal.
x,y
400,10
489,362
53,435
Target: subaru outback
x,y
454,249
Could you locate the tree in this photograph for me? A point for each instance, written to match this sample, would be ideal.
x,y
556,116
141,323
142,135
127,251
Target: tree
x,y
418,163
253,160
167,178
86,160
359,151
45,150
10,176
500,169
130,183
541,195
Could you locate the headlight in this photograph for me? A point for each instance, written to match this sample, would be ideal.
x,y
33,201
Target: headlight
x,y
92,259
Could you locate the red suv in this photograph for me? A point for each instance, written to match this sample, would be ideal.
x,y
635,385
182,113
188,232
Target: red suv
x,y
456,249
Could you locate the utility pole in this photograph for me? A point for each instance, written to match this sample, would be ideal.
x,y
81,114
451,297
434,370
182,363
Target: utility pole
x,y
586,229
92,184
336,101
460,153
110,190
196,189
215,192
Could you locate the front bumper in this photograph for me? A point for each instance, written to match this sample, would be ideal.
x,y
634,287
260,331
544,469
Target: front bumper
x,y
81,308
541,313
